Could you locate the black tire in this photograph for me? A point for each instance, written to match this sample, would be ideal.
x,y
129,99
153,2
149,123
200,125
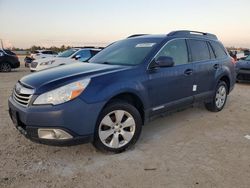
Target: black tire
x,y
211,106
5,67
113,106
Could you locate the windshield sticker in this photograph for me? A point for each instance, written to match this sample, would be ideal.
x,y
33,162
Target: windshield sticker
x,y
145,45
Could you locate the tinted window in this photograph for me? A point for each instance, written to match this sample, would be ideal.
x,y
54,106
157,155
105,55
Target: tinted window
x,y
218,50
177,49
84,55
199,50
47,52
94,52
9,52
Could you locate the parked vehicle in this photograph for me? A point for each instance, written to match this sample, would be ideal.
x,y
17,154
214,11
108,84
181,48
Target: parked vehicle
x,y
40,54
243,69
121,88
28,60
8,60
67,57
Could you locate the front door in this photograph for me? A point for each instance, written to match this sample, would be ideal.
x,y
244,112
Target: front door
x,y
171,87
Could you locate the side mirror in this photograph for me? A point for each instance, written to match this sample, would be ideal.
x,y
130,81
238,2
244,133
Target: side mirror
x,y
77,57
162,61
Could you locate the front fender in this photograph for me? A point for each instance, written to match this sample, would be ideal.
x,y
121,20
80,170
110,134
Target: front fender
x,y
101,93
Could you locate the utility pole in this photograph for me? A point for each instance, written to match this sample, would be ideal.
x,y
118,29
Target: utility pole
x,y
1,44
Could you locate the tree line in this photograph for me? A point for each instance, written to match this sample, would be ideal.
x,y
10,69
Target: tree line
x,y
34,47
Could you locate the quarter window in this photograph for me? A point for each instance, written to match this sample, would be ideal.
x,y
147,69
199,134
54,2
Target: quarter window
x,y
177,49
218,50
199,50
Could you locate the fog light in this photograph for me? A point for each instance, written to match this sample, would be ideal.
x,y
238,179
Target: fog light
x,y
55,134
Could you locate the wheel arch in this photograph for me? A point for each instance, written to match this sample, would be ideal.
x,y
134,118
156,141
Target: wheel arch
x,y
226,79
131,98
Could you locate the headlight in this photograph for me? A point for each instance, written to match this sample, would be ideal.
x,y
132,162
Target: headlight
x,y
47,62
62,94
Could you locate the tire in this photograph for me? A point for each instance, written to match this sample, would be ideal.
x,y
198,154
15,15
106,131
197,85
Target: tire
x,y
118,127
219,98
5,67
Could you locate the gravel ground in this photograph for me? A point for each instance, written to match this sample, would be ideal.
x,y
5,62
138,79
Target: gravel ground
x,y
192,148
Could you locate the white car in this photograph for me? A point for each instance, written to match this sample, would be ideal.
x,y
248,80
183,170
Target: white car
x,y
72,55
40,54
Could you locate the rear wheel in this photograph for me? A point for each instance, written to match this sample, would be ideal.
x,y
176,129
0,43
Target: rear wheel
x,y
219,98
5,67
118,127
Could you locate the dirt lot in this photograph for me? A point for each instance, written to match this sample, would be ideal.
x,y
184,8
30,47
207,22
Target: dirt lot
x,y
192,148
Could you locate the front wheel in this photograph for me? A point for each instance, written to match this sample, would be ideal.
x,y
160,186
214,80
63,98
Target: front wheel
x,y
219,98
118,127
5,67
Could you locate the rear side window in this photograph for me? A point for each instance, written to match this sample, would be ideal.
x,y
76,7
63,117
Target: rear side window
x,y
218,50
177,49
199,50
47,52
94,52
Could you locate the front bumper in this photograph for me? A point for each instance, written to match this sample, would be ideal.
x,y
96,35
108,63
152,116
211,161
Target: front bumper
x,y
243,74
75,117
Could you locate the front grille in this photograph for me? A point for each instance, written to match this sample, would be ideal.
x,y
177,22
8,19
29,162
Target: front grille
x,y
34,64
22,95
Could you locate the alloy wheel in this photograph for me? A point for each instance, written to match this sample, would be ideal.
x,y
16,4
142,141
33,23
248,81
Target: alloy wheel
x,y
117,129
220,97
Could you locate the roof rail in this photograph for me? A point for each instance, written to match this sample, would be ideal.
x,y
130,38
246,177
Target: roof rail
x,y
136,35
192,33
96,47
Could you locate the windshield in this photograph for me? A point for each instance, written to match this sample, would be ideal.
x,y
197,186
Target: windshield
x,y
126,52
67,53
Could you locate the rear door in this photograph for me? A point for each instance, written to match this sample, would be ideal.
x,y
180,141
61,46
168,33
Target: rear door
x,y
205,66
171,87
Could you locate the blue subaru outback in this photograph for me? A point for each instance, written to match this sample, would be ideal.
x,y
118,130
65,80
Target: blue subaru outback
x,y
132,81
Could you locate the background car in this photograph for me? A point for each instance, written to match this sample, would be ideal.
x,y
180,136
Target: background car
x,y
8,60
27,61
243,69
39,54
69,56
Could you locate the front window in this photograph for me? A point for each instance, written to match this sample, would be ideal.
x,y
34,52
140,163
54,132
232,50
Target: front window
x,y
126,52
177,49
67,53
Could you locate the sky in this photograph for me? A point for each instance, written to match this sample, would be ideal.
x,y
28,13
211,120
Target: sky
x,y
24,23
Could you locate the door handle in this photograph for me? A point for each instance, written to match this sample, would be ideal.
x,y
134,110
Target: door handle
x,y
216,66
188,72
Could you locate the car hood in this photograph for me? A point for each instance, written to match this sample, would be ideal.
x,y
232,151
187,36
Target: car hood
x,y
52,78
